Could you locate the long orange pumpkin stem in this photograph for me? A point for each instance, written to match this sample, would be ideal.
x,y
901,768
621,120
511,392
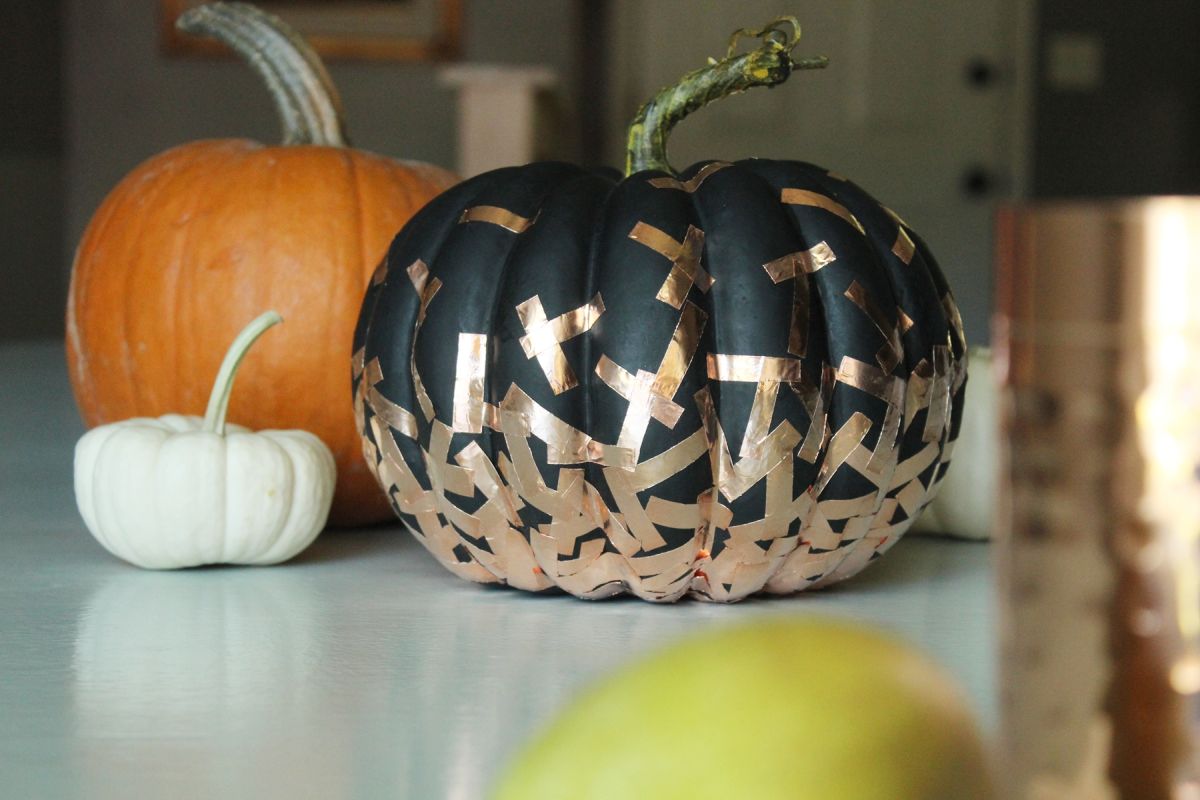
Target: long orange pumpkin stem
x,y
307,101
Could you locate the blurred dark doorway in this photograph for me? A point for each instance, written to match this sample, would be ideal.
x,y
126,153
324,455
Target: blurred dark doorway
x,y
32,273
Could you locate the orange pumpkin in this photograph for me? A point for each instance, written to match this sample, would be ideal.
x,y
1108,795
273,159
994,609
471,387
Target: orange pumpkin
x,y
200,239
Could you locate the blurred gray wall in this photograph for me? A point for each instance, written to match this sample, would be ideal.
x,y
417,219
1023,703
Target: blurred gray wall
x,y
126,101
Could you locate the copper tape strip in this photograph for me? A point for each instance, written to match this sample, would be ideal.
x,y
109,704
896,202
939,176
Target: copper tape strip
x,y
732,479
753,369
357,362
412,499
767,372
678,357
658,468
798,326
904,249
877,465
638,522
359,401
440,540
816,402
911,497
796,267
527,480
960,373
885,514
611,524
954,317
543,337
488,481
817,532
442,474
428,292
671,514
381,272
856,528
681,556
802,197
624,383
916,393
684,257
908,469
682,348
938,415
497,216
847,437
850,507
422,396
892,352
396,416
637,414
522,415
869,378
418,273
394,472
762,411
895,217
470,373
801,262
692,184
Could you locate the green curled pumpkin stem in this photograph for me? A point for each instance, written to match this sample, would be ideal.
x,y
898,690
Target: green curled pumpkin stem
x,y
769,64
218,401
307,101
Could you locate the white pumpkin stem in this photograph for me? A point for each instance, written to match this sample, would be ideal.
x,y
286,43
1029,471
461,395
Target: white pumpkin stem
x,y
218,401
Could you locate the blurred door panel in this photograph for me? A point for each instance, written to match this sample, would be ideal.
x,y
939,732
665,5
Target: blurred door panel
x,y
916,106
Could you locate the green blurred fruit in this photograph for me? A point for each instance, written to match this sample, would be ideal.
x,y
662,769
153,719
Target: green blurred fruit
x,y
775,709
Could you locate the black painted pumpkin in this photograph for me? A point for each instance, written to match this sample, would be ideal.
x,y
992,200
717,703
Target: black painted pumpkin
x,y
746,377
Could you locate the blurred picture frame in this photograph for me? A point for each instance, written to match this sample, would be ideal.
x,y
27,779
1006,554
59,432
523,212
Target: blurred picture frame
x,y
344,30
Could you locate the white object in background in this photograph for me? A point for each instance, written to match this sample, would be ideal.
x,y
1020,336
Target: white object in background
x,y
497,114
966,499
182,491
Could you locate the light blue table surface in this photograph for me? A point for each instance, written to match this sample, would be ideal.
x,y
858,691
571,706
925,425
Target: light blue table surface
x,y
361,669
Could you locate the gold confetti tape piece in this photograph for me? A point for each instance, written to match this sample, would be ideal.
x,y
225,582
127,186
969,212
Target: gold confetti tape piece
x,y
544,337
684,257
803,197
497,216
692,184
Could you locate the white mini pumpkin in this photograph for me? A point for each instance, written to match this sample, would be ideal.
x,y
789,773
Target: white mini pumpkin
x,y
181,491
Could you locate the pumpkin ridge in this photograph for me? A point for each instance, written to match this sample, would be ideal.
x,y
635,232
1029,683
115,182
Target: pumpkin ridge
x,y
587,384
145,203
493,322
836,322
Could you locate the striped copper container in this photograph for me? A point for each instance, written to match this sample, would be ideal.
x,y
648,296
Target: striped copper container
x,y
1097,340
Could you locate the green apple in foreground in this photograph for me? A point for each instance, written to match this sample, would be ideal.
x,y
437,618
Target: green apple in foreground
x,y
797,709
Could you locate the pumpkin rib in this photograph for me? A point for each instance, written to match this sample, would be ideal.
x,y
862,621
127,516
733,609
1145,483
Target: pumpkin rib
x,y
591,281
133,277
837,326
507,270
430,249
732,412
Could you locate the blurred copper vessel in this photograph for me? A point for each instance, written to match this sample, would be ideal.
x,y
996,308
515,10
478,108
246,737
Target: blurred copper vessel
x,y
1097,340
